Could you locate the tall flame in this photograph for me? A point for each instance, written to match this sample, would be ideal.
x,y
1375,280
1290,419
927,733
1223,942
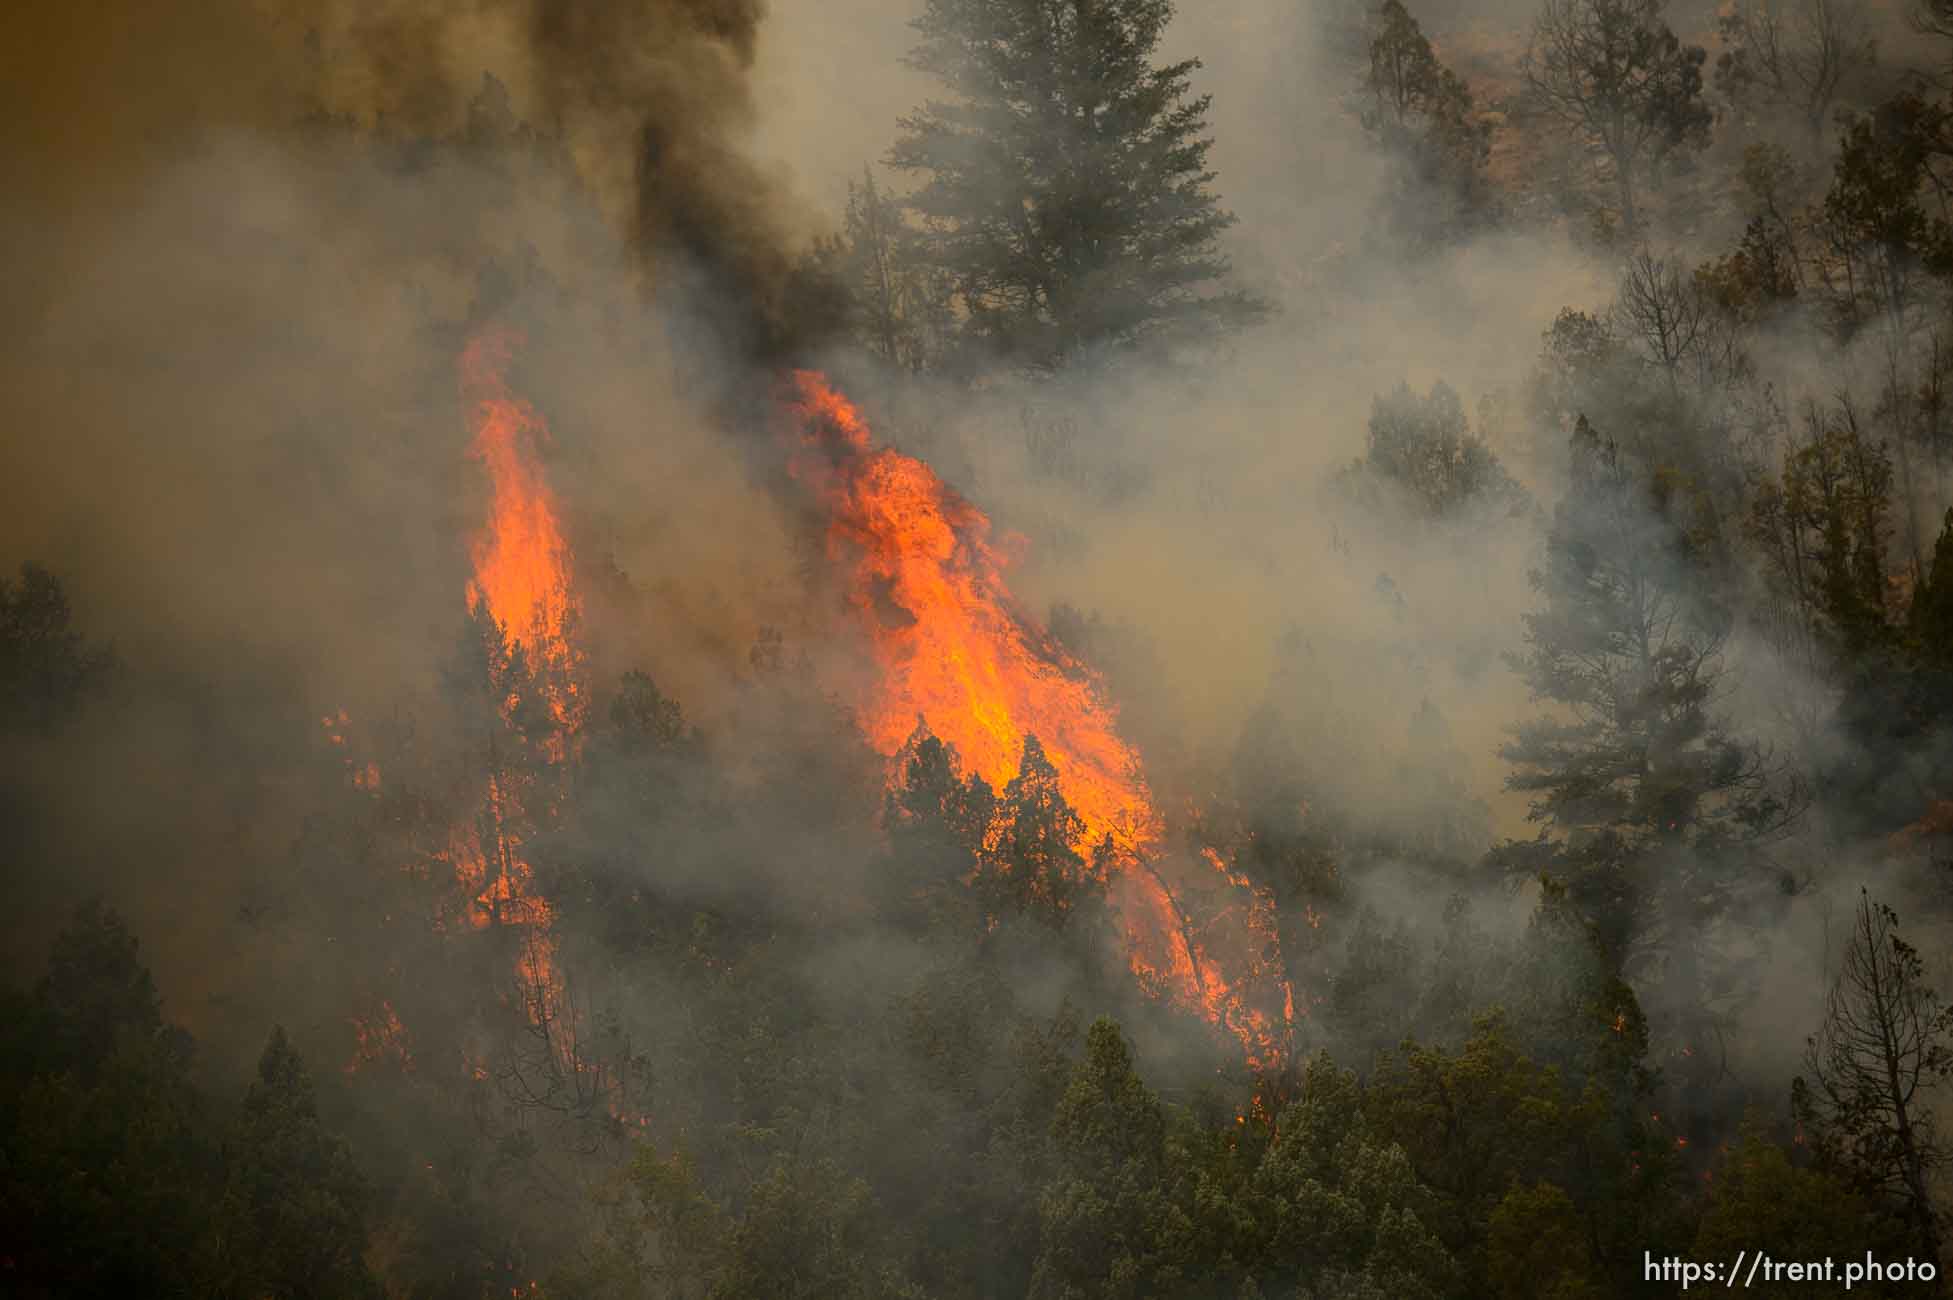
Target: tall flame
x,y
953,650
522,560
522,578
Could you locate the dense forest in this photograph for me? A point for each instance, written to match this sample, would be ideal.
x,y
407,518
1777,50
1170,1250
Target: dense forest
x,y
976,648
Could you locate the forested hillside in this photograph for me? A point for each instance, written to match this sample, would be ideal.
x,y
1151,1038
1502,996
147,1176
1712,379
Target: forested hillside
x,y
1290,651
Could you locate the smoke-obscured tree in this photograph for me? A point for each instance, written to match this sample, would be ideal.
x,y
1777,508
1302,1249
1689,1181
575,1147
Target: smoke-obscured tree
x,y
1885,1043
1667,315
1613,74
809,1232
901,303
1422,447
1764,273
106,1186
1064,181
1762,1200
1794,55
1880,233
1822,527
1422,113
1884,253
1586,365
294,1207
1930,617
1654,802
46,667
662,1235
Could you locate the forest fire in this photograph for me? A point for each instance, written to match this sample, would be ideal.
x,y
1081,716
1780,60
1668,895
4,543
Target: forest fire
x,y
953,650
522,582
522,561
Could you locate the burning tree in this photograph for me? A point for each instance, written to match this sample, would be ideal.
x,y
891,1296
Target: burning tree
x,y
1066,189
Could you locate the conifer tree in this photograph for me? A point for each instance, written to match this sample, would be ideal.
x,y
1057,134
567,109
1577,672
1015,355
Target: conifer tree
x,y
1654,801
1064,179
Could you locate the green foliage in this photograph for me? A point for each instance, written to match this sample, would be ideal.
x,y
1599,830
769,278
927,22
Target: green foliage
x,y
1655,800
1341,1209
807,1234
1030,865
1423,448
1878,231
1486,1120
1761,1200
1526,1247
1823,528
1065,180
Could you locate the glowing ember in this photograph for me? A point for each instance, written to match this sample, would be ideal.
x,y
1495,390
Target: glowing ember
x,y
952,649
380,1036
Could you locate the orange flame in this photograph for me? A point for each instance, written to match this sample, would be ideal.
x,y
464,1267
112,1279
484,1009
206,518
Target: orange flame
x,y
522,560
953,650
522,577
950,645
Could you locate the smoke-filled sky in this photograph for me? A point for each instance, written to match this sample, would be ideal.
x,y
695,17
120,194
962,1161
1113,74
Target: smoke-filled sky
x,y
232,423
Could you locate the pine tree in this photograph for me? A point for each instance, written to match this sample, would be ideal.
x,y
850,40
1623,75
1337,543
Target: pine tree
x,y
1423,447
294,1210
1031,865
1104,1213
1422,112
1065,184
1653,799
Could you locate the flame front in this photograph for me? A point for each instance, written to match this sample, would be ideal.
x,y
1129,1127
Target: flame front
x,y
949,644
953,650
522,580
522,561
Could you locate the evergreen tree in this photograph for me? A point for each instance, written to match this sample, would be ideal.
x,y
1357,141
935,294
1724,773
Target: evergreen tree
x,y
939,823
106,1188
1339,1209
1107,1215
1424,449
1422,112
1760,1199
1653,799
1065,186
901,304
1031,866
294,1206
